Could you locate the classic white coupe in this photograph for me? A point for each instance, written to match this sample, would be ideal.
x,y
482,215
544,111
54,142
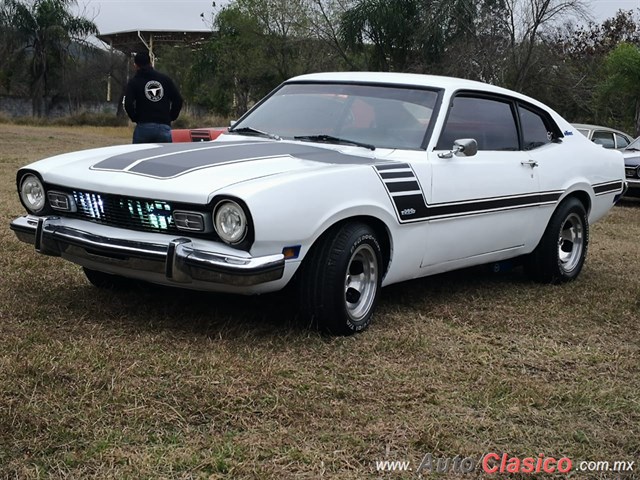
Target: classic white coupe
x,y
336,183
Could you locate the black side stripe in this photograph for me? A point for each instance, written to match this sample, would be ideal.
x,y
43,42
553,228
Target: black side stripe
x,y
395,187
607,187
393,166
411,205
494,204
386,175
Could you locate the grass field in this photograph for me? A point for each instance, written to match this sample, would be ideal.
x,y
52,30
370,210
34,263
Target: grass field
x,y
157,383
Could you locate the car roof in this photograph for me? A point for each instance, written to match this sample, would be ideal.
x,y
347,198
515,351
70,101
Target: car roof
x,y
413,79
588,126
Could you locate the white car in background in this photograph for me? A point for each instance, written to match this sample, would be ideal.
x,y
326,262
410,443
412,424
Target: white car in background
x,y
631,156
607,137
340,183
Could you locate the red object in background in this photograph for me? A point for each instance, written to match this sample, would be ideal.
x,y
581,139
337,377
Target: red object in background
x,y
196,134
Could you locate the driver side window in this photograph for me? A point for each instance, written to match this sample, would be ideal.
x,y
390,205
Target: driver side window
x,y
489,121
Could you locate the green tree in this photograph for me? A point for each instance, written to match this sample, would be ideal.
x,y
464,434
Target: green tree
x,y
622,82
232,70
572,73
11,66
479,48
45,32
257,44
528,21
323,21
282,26
407,35
383,31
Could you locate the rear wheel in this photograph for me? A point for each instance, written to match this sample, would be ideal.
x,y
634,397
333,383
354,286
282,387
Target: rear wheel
x,y
560,255
340,279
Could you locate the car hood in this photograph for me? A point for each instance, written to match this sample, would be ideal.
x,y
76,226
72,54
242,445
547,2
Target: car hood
x,y
190,172
631,158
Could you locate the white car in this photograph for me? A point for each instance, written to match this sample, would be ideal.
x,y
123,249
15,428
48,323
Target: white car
x,y
631,156
340,183
605,136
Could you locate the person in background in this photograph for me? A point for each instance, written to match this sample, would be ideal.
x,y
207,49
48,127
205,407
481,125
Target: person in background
x,y
152,101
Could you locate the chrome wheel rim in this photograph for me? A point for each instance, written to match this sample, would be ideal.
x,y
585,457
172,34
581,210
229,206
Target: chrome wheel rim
x,y
361,282
570,243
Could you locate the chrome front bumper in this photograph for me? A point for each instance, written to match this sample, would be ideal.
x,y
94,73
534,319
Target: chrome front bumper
x,y
177,259
634,184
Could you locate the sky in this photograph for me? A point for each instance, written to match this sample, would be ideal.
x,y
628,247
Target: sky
x,y
603,9
121,15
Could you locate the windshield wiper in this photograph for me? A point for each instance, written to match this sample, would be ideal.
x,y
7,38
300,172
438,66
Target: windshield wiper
x,y
332,139
255,131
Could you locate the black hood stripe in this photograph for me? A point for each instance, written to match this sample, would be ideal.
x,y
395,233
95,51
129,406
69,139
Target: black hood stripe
x,y
171,160
126,160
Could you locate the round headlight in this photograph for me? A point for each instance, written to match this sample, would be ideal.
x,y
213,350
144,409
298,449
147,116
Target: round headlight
x,y
32,193
638,172
230,222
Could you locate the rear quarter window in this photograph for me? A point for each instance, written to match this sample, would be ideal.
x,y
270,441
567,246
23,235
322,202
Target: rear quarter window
x,y
536,132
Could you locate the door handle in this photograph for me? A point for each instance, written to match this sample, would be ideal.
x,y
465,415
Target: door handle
x,y
531,163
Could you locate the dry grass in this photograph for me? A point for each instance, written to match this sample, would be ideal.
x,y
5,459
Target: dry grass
x,y
159,383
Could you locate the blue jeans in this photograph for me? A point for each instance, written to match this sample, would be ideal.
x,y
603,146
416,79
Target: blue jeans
x,y
152,133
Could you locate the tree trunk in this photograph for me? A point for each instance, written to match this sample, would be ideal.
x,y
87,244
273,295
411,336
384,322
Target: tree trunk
x,y
120,113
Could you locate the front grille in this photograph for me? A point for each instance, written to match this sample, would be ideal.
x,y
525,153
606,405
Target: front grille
x,y
630,172
126,212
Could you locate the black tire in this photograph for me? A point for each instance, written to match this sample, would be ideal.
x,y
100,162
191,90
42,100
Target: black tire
x,y
339,280
560,255
107,280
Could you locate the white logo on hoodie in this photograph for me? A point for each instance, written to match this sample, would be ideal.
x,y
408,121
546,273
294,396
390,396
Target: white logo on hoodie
x,y
154,90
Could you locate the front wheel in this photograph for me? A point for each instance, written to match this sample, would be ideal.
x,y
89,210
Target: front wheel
x,y
560,255
340,279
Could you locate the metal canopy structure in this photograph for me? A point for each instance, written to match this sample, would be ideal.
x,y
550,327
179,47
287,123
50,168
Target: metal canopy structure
x,y
131,41
134,41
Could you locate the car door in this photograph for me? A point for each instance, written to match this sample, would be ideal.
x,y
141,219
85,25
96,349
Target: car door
x,y
480,206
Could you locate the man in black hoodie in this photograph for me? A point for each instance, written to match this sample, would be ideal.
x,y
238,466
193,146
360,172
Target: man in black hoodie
x,y
152,101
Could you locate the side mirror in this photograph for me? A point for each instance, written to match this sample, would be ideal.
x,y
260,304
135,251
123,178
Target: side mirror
x,y
462,147
232,123
466,147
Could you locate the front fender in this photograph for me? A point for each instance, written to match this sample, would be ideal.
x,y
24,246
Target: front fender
x,y
297,209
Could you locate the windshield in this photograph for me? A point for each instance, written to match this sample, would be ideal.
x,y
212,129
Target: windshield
x,y
635,145
373,116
